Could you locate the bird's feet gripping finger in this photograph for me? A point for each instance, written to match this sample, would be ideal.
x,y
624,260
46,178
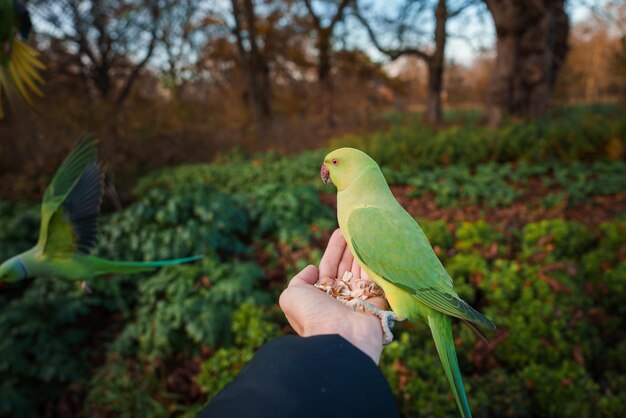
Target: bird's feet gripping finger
x,y
387,318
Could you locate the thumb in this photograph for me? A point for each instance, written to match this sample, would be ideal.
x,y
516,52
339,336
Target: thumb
x,y
307,276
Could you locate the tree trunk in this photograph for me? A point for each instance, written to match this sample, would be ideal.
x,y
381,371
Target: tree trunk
x,y
324,64
324,74
434,114
255,66
531,47
435,66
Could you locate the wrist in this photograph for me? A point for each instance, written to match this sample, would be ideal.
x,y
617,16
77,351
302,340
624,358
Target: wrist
x,y
364,332
367,336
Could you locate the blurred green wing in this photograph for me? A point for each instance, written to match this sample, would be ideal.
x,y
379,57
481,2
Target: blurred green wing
x,y
61,240
71,204
83,154
393,246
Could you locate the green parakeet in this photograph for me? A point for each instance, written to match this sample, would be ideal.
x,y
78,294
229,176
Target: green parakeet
x,y
19,63
393,250
69,227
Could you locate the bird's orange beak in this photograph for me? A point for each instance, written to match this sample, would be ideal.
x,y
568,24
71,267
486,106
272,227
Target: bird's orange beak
x,y
325,174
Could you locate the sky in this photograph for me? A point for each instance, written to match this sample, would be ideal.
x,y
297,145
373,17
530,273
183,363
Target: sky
x,y
468,34
471,33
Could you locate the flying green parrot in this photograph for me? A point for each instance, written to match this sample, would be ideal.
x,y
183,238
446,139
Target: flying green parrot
x,y
395,253
69,227
19,63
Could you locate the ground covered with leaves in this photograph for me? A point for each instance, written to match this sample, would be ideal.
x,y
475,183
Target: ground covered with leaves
x,y
538,244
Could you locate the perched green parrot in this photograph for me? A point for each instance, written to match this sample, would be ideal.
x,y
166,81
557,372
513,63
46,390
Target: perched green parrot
x,y
19,63
69,227
395,253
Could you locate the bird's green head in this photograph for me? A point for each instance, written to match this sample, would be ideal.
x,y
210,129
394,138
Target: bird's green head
x,y
13,270
344,165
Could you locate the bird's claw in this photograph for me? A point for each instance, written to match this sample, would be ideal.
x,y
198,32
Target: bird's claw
x,y
387,318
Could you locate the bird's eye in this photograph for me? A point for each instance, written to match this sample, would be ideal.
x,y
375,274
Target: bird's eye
x,y
334,161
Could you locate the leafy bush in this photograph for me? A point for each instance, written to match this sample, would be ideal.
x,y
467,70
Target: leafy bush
x,y
45,345
611,248
438,235
166,225
556,238
183,308
124,389
477,236
465,269
565,137
564,391
615,284
496,185
253,326
240,174
293,214
20,228
416,377
455,183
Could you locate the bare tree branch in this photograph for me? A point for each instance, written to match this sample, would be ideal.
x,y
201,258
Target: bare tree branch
x,y
391,53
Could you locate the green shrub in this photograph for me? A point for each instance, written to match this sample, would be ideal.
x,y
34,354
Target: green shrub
x,y
502,284
465,269
500,394
125,389
556,238
477,235
293,214
566,137
611,247
611,404
414,372
221,368
166,225
563,391
253,326
456,184
613,235
183,308
240,174
614,281
547,322
45,344
438,234
19,226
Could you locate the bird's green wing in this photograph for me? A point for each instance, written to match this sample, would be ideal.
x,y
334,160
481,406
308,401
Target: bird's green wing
x,y
393,246
71,204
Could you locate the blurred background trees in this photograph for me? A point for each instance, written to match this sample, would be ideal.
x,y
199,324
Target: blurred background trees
x,y
193,78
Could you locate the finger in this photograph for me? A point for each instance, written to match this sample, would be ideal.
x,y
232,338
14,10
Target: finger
x,y
380,303
307,276
364,275
334,251
288,304
356,273
355,269
346,262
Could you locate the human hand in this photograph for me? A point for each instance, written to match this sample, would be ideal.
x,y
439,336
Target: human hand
x,y
313,312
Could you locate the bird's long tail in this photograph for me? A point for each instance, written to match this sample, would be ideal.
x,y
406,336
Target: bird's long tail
x,y
441,328
104,266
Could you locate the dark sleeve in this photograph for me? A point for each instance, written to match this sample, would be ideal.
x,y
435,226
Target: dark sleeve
x,y
323,377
